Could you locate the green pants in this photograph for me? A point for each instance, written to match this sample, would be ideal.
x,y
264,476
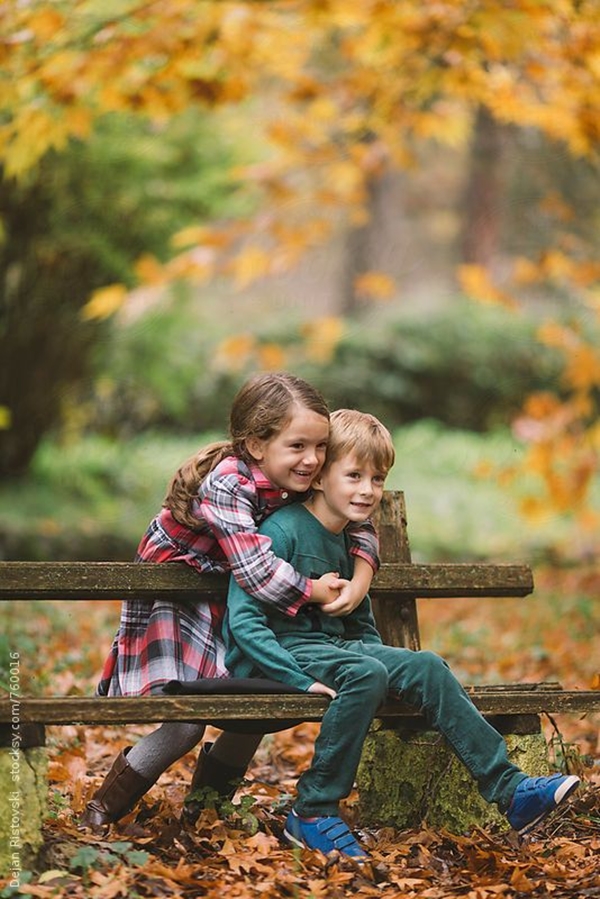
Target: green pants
x,y
363,674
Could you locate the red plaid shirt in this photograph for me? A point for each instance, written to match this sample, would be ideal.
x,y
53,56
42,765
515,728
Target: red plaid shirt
x,y
163,641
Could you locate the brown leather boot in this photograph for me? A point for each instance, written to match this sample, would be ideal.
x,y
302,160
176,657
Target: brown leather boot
x,y
122,788
215,779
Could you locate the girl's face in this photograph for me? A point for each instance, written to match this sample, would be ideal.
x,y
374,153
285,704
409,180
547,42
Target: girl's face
x,y
292,458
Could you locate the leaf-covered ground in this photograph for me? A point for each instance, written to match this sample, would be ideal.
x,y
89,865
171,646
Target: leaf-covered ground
x,y
241,854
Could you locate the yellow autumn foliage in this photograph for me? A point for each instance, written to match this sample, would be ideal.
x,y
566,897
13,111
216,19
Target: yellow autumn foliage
x,y
321,337
104,302
348,90
234,352
251,263
149,270
271,357
375,285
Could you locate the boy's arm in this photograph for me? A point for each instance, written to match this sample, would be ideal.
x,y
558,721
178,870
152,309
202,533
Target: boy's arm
x,y
353,593
364,547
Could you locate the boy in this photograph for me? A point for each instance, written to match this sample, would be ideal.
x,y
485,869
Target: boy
x,y
345,658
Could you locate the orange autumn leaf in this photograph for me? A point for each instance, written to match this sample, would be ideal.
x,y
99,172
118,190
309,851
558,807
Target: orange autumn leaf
x,y
322,336
234,352
250,264
271,357
375,285
477,284
45,23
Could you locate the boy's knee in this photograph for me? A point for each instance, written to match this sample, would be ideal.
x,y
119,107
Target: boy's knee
x,y
366,675
431,659
374,675
430,665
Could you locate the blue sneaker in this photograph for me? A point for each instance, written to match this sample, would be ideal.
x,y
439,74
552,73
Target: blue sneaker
x,y
536,797
326,834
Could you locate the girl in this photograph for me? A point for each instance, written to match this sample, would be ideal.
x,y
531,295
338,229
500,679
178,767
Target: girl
x,y
279,426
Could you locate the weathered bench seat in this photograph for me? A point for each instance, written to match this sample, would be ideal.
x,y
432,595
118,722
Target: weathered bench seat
x,y
501,700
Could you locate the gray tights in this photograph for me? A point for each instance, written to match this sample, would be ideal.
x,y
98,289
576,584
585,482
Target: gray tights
x,y
155,752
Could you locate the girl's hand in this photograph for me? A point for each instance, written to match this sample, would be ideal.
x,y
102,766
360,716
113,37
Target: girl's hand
x,y
321,688
349,598
328,587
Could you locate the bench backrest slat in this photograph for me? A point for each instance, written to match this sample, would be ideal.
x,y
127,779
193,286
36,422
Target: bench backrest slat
x,y
127,580
395,588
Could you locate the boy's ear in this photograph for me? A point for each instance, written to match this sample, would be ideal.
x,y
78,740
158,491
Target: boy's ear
x,y
254,445
317,484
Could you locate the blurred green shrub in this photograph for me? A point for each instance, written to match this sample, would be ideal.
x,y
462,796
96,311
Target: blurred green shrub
x,y
465,365
93,498
79,222
158,372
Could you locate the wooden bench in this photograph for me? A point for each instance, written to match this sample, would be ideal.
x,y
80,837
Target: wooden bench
x,y
513,708
395,591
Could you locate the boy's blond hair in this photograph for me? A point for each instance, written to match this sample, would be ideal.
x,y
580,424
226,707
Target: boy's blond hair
x,y
362,435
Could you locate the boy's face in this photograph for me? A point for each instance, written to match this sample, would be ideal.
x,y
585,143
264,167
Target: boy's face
x,y
348,491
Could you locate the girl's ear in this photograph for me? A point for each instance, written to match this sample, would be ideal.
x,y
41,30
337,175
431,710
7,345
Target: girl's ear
x,y
255,447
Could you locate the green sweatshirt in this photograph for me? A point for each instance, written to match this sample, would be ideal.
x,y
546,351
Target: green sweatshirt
x,y
257,636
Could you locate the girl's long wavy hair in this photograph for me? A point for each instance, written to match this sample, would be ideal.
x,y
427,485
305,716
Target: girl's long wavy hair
x,y
262,409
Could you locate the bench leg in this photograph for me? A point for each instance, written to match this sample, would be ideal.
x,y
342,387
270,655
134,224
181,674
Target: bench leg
x,y
409,775
23,798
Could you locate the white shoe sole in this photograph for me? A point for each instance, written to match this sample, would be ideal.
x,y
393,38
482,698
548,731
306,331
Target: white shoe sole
x,y
294,840
567,787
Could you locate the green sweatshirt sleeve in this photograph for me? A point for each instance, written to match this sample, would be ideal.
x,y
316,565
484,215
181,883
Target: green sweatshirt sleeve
x,y
250,638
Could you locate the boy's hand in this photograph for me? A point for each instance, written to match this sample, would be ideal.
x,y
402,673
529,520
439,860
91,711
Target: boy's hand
x,y
354,591
321,688
328,587
348,599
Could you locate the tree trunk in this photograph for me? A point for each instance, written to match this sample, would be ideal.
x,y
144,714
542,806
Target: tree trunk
x,y
44,345
483,198
377,245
